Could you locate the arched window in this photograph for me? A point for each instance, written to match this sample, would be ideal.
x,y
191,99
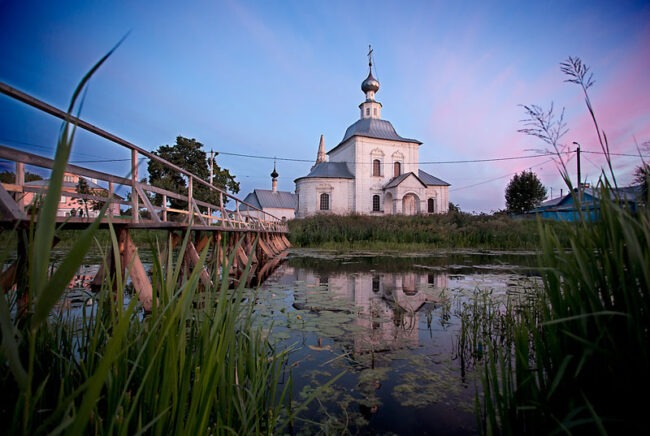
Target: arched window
x,y
376,168
324,202
431,205
375,284
375,203
397,169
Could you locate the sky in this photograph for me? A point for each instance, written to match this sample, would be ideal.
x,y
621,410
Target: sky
x,y
260,81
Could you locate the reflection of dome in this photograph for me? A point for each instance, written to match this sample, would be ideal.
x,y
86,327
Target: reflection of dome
x,y
410,291
370,84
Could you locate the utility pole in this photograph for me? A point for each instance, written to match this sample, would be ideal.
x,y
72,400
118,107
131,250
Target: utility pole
x,y
211,165
579,181
211,176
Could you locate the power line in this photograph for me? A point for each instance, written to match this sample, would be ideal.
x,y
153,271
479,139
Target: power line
x,y
251,156
491,180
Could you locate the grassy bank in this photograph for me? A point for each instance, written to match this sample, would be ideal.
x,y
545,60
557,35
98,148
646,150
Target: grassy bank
x,y
451,230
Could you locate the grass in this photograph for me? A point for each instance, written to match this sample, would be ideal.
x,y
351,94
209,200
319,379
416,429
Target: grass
x,y
451,230
194,365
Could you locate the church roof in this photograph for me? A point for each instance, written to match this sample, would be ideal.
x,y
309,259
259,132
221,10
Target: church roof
x,y
374,128
422,176
332,170
395,181
265,199
430,180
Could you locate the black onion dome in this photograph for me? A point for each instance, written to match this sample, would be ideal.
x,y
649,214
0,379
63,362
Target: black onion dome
x,y
370,84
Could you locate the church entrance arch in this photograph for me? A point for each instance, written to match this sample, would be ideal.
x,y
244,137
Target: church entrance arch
x,y
388,204
410,204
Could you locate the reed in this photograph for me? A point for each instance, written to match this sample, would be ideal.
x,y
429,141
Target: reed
x,y
195,365
452,230
578,358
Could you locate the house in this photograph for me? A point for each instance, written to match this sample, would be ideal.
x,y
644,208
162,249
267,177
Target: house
x,y
71,203
281,204
564,208
372,171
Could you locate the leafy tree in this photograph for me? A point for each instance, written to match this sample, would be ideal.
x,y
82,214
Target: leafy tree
x,y
524,192
83,189
10,177
642,178
188,154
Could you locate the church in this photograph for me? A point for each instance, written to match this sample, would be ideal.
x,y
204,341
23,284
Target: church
x,y
372,171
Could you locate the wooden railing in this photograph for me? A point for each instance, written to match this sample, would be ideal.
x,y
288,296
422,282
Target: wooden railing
x,y
143,213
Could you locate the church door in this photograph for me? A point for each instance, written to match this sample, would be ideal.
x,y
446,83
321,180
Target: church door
x,y
409,205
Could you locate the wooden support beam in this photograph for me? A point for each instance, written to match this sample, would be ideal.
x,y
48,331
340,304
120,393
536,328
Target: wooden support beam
x,y
10,210
132,265
191,257
269,266
268,251
217,254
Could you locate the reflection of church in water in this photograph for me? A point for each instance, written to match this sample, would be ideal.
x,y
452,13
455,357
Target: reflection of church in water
x,y
389,305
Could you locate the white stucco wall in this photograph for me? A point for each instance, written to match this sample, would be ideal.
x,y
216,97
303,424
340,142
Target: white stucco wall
x,y
341,196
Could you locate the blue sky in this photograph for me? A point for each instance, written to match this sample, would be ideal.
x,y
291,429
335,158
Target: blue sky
x,y
267,78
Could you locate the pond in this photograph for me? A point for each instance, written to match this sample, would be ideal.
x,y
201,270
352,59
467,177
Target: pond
x,y
375,337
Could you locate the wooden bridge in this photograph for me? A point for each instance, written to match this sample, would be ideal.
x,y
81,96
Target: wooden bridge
x,y
240,232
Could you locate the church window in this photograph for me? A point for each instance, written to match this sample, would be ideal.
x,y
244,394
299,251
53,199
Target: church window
x,y
367,111
374,111
397,169
375,203
376,167
431,205
324,202
375,284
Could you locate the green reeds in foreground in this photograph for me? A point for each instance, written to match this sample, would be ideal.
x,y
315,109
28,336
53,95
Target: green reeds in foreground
x,y
192,366
579,359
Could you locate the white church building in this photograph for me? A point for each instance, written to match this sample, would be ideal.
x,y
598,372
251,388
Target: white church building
x,y
372,171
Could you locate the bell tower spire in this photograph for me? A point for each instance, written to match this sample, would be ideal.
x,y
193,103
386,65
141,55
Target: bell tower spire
x,y
321,157
370,108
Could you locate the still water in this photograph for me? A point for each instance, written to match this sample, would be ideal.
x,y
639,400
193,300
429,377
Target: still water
x,y
375,336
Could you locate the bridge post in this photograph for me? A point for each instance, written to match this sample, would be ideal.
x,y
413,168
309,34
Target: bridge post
x,y
20,181
135,206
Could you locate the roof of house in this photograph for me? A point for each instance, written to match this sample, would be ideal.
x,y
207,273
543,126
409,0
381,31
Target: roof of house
x,y
73,185
335,170
590,195
266,199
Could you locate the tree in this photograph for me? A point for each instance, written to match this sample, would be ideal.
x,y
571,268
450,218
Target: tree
x,y
642,178
10,177
188,154
84,189
524,192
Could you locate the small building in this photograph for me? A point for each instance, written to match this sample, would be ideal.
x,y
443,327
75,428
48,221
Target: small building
x,y
71,203
372,171
281,204
564,208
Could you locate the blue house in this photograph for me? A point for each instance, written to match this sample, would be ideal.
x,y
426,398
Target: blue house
x,y
565,208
